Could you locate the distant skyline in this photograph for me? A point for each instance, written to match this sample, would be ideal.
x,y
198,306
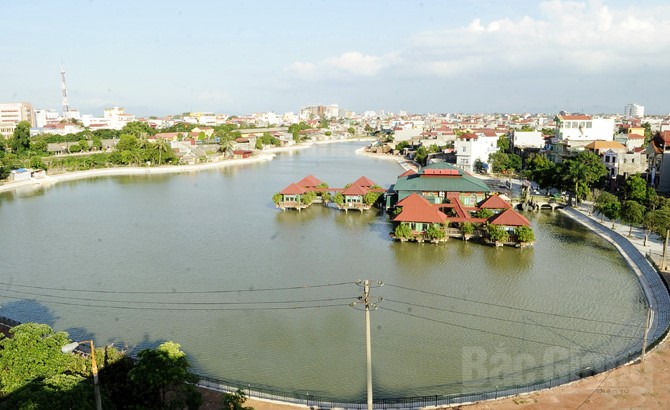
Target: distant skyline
x,y
166,57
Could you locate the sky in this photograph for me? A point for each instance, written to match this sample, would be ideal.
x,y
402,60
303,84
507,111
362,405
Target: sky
x,y
239,57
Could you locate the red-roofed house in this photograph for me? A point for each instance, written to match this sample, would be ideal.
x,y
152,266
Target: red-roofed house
x,y
509,219
494,202
310,181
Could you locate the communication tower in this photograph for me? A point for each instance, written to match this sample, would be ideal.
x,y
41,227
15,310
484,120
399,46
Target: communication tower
x,y
63,86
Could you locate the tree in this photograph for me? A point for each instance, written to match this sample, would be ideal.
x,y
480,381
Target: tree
x,y
259,144
165,370
632,212
234,401
338,198
33,352
635,188
138,128
467,228
403,231
657,221
503,143
484,213
277,198
524,234
541,170
401,145
436,232
421,155
308,197
371,197
127,142
351,131
20,141
162,146
608,205
497,233
586,169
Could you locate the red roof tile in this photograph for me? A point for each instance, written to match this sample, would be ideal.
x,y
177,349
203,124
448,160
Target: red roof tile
x,y
425,214
407,173
413,199
364,182
509,218
309,181
354,190
494,202
293,189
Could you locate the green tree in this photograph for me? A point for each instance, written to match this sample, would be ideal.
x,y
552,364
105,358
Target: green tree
x,y
259,144
401,145
657,221
234,401
138,128
499,162
403,231
467,228
421,155
371,197
608,205
586,169
351,131
503,143
484,213
277,198
497,233
436,232
163,147
32,352
308,197
632,212
20,141
635,188
127,142
540,170
161,377
338,198
524,234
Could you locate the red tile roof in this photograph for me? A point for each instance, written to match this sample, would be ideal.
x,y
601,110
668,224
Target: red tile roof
x,y
407,173
494,202
635,137
309,181
425,214
574,117
413,200
509,218
364,182
293,189
354,190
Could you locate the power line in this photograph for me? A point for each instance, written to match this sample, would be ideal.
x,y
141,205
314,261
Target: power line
x,y
509,320
150,292
511,307
489,332
186,309
175,303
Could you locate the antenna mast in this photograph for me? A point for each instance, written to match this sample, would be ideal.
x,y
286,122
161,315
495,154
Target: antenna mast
x,y
63,86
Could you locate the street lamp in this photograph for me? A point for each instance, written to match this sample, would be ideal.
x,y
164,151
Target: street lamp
x,y
94,368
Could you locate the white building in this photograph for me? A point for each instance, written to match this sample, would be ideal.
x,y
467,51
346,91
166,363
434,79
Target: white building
x,y
527,139
405,131
633,110
12,113
44,117
471,147
583,128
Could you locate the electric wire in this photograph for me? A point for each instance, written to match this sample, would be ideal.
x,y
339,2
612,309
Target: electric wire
x,y
146,302
170,292
490,332
510,307
185,309
510,320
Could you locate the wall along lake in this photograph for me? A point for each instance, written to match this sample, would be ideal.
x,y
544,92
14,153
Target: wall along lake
x,y
261,296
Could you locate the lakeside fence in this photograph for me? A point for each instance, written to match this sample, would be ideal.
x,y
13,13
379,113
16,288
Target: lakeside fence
x,y
412,402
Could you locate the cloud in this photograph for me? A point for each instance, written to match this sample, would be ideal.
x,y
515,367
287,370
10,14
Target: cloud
x,y
349,64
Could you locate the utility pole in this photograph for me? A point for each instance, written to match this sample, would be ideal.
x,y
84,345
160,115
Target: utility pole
x,y
665,247
646,333
368,341
365,299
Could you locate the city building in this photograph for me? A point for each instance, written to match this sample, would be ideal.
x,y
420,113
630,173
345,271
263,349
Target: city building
x,y
633,110
12,113
472,147
583,128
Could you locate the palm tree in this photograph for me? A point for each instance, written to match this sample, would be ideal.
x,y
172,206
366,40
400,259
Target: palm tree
x,y
227,145
162,146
